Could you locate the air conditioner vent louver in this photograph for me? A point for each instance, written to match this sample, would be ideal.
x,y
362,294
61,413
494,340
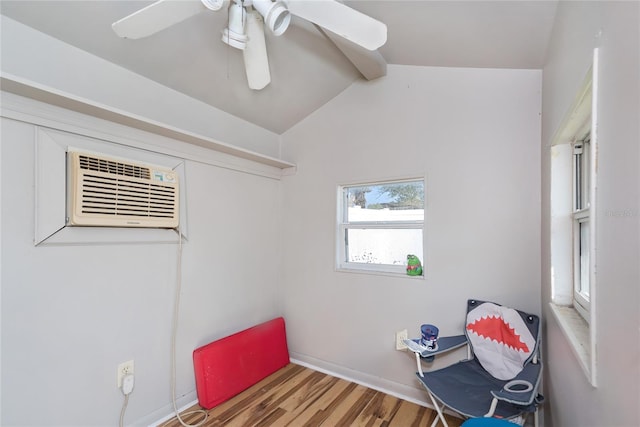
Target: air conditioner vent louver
x,y
108,192
113,167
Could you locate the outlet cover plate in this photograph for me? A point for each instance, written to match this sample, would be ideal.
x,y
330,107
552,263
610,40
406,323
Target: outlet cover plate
x,y
124,368
400,337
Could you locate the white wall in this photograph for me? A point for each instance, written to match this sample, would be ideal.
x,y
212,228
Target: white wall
x,y
572,401
43,60
474,134
71,314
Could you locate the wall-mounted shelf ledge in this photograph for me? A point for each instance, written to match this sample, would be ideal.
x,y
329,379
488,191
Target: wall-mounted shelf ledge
x,y
55,97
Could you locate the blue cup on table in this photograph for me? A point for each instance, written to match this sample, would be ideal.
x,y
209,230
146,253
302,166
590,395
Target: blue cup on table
x,y
429,337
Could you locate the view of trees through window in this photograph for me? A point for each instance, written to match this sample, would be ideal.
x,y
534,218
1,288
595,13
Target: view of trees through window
x,y
396,196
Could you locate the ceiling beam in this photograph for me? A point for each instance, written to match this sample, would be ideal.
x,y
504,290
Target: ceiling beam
x,y
369,63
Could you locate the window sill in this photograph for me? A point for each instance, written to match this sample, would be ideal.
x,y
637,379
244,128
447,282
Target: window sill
x,y
379,273
576,331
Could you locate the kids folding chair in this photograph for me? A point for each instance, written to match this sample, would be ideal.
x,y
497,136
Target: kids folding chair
x,y
500,377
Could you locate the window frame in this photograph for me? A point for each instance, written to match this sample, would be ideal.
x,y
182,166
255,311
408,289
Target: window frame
x,y
343,225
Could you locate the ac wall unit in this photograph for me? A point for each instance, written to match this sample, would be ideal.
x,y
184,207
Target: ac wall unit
x,y
109,192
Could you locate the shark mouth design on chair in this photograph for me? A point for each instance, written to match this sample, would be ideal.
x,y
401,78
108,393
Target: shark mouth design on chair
x,y
496,329
500,339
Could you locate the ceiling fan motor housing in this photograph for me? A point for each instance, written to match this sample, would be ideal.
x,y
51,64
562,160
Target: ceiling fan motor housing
x,y
234,35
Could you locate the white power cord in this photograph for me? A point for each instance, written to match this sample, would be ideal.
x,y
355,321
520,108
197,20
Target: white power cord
x,y
128,380
127,388
174,333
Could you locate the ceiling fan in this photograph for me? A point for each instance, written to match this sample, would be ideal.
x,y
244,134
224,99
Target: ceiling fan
x,y
245,30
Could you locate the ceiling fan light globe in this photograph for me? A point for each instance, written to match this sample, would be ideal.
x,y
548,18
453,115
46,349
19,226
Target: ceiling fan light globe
x,y
276,15
213,4
278,20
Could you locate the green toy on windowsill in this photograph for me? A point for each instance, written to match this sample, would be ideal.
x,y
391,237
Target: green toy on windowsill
x,y
414,268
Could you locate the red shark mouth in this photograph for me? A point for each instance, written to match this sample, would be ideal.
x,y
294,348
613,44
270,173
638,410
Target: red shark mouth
x,y
496,329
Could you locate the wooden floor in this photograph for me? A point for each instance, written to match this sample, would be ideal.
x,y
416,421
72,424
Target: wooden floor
x,y
297,396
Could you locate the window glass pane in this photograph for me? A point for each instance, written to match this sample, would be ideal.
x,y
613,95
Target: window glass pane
x,y
581,175
383,246
578,180
399,201
584,260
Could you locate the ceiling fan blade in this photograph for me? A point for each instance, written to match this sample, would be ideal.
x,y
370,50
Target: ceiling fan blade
x,y
155,17
342,20
256,62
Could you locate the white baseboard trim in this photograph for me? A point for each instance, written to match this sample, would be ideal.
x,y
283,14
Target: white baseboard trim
x,y
167,412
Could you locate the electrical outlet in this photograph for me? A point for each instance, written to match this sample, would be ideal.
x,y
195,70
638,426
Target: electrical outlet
x,y
125,368
400,336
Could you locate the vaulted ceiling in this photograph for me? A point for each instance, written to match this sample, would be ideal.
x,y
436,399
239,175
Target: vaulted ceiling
x,y
307,68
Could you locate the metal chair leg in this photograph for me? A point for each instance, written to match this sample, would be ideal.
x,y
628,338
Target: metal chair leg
x,y
438,410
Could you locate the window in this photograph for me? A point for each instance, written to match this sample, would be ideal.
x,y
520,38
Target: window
x,y
379,225
572,211
581,231
573,222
